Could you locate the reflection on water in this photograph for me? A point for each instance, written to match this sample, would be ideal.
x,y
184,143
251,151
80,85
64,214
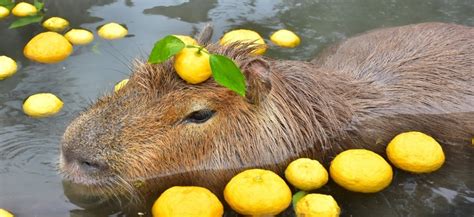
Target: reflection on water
x,y
199,8
29,184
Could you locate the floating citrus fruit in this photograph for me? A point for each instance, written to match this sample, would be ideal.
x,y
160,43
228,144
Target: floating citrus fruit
x,y
285,38
48,47
79,36
361,170
24,9
193,65
257,192
4,12
306,174
247,36
188,40
56,24
415,152
8,67
112,31
317,205
5,213
42,105
184,201
120,85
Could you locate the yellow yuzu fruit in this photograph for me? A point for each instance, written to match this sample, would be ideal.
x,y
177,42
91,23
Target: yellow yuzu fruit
x,y
4,12
192,65
5,213
42,105
415,152
120,85
112,31
187,201
246,36
257,192
361,170
317,205
306,174
24,9
48,47
188,40
79,36
56,24
8,67
285,38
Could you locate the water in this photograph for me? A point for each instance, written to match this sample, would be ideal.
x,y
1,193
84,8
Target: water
x,y
29,183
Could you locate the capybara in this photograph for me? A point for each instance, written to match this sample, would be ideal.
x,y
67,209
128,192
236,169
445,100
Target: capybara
x,y
159,131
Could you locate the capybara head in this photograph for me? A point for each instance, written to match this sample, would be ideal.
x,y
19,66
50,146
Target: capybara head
x,y
159,126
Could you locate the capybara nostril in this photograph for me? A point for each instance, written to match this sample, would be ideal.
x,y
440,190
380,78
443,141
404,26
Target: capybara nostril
x,y
90,166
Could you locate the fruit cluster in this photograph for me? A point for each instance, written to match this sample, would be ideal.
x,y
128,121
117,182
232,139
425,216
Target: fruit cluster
x,y
50,47
259,192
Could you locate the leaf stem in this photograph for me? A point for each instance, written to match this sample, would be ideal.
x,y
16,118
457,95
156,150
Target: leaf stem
x,y
200,48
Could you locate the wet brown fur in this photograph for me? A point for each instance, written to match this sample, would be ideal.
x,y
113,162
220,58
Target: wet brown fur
x,y
358,93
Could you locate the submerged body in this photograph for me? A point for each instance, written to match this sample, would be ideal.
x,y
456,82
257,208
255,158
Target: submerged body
x,y
159,131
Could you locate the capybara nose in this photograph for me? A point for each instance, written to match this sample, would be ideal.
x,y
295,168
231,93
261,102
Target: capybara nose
x,y
86,163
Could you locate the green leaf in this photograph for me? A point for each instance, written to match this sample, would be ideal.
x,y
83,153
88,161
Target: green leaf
x,y
38,5
227,74
7,3
165,48
297,197
25,21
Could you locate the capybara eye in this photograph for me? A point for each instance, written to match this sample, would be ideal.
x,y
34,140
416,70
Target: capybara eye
x,y
199,116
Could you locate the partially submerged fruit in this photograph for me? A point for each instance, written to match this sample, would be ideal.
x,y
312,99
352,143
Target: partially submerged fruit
x,y
5,213
79,36
4,12
257,192
42,105
317,205
8,67
246,36
48,47
306,174
120,85
112,31
187,201
415,152
361,170
285,38
24,9
56,24
192,65
187,40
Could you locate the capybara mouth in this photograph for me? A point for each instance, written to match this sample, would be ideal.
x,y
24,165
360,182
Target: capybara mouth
x,y
83,196
89,192
98,186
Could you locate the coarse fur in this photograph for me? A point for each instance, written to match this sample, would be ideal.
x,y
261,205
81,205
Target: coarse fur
x,y
359,93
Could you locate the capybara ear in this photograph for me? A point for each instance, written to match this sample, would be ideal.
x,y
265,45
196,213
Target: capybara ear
x,y
257,72
206,34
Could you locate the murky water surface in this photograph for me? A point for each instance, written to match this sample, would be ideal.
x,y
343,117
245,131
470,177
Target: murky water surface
x,y
29,183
